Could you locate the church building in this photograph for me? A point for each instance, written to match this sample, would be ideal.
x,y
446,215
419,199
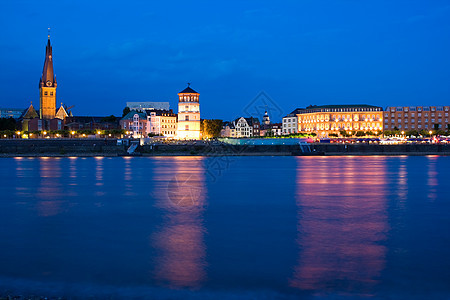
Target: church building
x,y
47,87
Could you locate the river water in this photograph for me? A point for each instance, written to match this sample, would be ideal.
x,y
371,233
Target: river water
x,y
226,227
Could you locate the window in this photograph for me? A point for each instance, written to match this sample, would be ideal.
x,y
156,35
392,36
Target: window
x,y
45,93
51,93
186,118
187,127
186,108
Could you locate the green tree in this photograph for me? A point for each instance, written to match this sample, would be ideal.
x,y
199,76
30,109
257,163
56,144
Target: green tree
x,y
360,133
126,110
210,128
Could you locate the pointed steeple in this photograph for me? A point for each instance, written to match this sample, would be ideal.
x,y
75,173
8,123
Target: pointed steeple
x,y
48,77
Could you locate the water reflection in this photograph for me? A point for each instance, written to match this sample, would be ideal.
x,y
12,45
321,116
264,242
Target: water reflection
x,y
180,193
128,178
432,181
49,193
341,223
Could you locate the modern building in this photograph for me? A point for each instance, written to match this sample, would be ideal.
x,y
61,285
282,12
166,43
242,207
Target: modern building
x,y
143,106
162,122
407,118
47,86
326,119
188,114
14,113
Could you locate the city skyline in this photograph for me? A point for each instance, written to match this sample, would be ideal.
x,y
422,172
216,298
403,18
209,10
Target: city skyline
x,y
395,56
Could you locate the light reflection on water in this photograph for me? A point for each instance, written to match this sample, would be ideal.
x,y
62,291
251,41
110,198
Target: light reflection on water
x,y
180,192
342,223
357,223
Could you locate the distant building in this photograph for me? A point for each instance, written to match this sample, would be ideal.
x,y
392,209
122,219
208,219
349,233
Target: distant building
x,y
14,113
143,106
27,116
162,122
290,122
228,130
269,129
273,129
47,86
266,119
326,119
188,114
136,122
90,123
416,118
246,127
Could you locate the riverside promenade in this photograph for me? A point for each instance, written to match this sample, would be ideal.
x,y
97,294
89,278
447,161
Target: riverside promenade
x,y
109,147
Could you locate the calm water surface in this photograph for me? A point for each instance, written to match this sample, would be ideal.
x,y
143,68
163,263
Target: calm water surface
x,y
230,227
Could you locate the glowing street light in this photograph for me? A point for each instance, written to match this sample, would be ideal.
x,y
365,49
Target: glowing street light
x,y
99,132
45,132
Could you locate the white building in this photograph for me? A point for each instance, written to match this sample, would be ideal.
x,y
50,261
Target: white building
x,y
188,114
142,106
162,122
290,122
246,127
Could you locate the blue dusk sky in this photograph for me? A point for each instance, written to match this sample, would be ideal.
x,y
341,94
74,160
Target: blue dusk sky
x,y
299,52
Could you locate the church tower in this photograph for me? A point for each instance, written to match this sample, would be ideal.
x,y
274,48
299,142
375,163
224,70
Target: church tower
x,y
47,86
188,114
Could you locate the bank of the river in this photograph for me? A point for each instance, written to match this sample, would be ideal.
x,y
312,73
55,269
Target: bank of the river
x,y
109,147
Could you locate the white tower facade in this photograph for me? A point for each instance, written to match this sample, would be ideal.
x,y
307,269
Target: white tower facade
x,y
188,114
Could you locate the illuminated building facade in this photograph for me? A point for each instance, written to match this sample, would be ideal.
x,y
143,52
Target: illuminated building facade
x,y
246,127
290,122
135,122
416,118
188,114
162,122
47,86
326,119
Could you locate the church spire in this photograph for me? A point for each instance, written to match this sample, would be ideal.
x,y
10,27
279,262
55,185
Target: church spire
x,y
48,78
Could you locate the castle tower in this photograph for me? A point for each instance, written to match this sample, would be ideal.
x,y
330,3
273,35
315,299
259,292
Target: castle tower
x,y
47,86
188,114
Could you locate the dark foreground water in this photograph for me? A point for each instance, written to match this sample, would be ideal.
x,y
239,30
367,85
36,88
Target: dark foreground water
x,y
228,227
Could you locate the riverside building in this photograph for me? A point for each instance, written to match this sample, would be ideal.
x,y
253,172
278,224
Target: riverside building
x,y
407,118
188,114
325,119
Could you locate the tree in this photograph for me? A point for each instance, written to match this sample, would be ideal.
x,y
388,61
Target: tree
x,y
110,119
360,133
7,124
126,110
211,128
436,126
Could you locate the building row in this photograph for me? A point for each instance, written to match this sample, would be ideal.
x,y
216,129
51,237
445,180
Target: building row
x,y
144,118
